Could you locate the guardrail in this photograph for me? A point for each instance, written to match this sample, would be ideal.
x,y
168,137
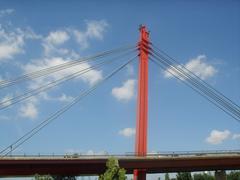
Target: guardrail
x,y
132,154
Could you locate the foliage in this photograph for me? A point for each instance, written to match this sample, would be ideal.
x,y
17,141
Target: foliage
x,y
203,177
233,175
113,172
184,176
64,178
167,176
43,177
48,177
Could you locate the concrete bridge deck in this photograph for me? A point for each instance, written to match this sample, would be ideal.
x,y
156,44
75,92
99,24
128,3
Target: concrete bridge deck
x,y
84,165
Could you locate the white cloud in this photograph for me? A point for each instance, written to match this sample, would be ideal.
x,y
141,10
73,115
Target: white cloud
x,y
95,29
28,33
52,42
29,110
62,98
91,77
57,37
5,12
65,98
127,132
217,137
126,91
81,38
236,136
6,101
12,42
196,65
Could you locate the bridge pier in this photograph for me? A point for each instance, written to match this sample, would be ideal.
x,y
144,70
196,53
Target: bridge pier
x,y
220,175
139,174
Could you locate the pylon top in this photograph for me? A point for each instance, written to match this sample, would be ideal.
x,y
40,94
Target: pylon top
x,y
143,28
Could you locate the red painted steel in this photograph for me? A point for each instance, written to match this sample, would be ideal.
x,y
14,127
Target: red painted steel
x,y
142,105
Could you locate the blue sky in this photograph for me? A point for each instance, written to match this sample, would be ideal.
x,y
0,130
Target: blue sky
x,y
201,35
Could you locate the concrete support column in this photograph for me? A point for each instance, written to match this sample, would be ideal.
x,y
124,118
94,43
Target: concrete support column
x,y
220,175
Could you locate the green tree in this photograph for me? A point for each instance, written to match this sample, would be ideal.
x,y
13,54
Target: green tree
x,y
203,177
43,177
233,175
167,176
113,172
48,177
184,176
64,178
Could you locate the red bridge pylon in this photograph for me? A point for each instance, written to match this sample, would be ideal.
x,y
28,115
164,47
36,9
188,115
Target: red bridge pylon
x,y
142,101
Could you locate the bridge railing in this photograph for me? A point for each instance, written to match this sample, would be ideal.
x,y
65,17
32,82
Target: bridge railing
x,y
129,154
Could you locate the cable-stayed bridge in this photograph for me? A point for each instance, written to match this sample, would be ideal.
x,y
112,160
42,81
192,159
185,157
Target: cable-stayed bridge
x,y
141,162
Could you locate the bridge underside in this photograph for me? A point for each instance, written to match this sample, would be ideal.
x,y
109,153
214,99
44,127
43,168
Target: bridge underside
x,y
96,165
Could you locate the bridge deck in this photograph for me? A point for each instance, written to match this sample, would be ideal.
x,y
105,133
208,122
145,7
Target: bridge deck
x,y
79,165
